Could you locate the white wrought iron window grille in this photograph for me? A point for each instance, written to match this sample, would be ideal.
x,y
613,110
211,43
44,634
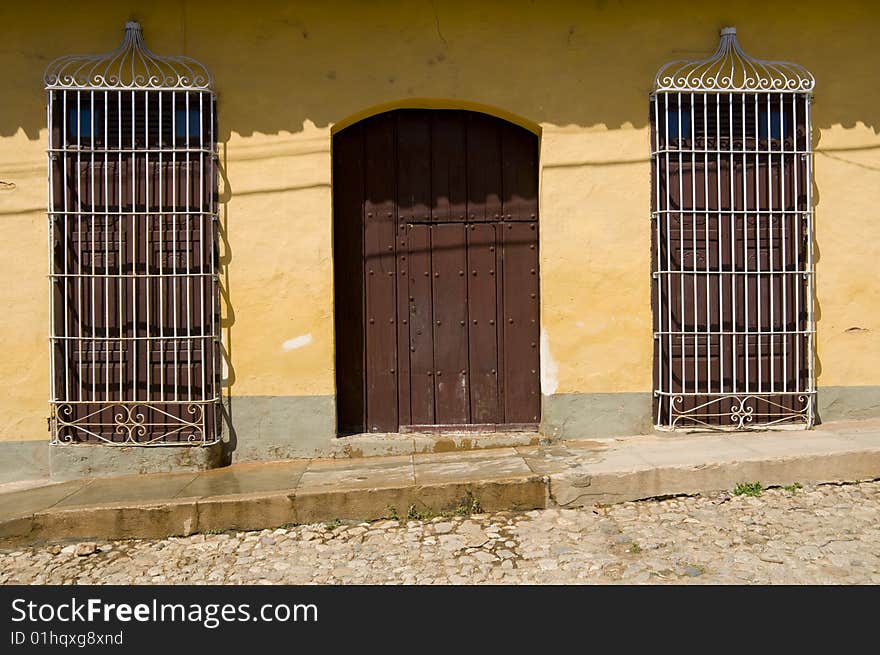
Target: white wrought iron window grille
x,y
132,197
732,228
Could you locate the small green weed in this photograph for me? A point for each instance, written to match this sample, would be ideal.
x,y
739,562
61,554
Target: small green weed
x,y
392,513
793,487
332,525
469,505
753,489
415,514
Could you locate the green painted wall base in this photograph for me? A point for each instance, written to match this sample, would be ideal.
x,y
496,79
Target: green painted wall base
x,y
24,460
848,403
280,427
94,461
591,415
265,428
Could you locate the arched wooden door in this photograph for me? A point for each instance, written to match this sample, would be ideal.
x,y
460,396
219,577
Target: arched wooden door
x,y
436,272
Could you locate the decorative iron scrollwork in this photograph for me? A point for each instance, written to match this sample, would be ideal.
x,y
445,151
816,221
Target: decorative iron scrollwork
x,y
731,69
131,66
742,412
136,424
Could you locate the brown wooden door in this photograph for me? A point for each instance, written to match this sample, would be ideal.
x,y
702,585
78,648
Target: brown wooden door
x,y
436,269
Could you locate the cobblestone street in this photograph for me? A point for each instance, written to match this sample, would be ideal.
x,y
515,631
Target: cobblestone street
x,y
826,534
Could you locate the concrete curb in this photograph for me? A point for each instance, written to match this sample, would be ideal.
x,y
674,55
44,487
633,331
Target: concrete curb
x,y
256,511
521,479
580,490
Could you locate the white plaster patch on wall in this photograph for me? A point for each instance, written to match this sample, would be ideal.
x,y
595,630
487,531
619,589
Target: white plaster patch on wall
x,y
297,342
549,368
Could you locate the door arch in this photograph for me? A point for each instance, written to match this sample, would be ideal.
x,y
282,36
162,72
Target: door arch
x,y
436,272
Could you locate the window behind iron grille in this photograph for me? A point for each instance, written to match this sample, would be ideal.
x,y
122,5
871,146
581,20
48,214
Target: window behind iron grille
x,y
732,256
133,265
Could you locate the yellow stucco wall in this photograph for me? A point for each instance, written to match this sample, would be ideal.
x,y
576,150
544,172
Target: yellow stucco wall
x,y
579,72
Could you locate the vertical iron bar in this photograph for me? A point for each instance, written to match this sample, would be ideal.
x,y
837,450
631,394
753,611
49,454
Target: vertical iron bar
x,y
189,247
720,240
681,315
693,209
770,217
808,182
706,232
160,228
745,233
79,244
796,217
147,226
174,279
134,240
657,265
667,154
759,278
123,349
91,225
216,365
202,279
215,349
65,143
53,279
784,275
106,331
734,331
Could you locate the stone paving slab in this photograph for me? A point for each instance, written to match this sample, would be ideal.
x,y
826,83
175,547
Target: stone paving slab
x,y
28,501
362,473
248,478
127,489
501,464
825,534
564,474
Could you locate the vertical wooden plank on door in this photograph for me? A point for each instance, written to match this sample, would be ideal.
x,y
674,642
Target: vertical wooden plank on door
x,y
483,273
450,323
413,165
348,270
483,168
381,278
448,170
484,182
522,401
519,155
520,288
421,325
413,204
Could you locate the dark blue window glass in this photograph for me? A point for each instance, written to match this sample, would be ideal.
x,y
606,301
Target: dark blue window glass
x,y
774,123
81,122
187,126
678,122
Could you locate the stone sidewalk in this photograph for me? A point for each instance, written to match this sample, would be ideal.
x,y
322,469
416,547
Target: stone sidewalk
x,y
562,475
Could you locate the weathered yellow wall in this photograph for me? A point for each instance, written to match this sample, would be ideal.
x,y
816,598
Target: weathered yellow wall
x,y
580,71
